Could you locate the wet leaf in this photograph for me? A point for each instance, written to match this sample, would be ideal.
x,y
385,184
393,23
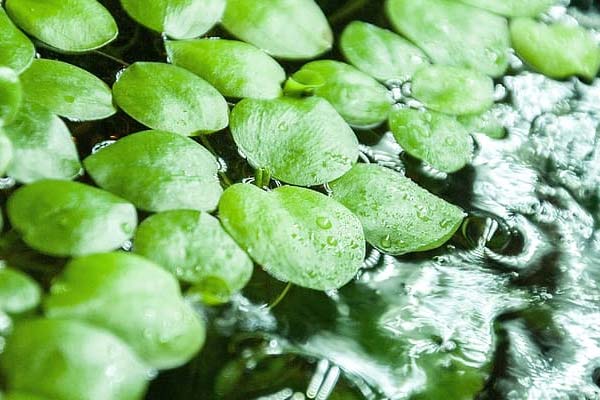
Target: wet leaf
x,y
170,98
16,50
295,234
11,95
179,19
68,25
397,215
236,69
67,90
454,34
513,8
64,218
6,153
18,292
158,171
300,141
292,29
134,299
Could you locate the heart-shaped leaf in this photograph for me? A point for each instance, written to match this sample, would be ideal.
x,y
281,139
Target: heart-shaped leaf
x,y
11,95
295,234
64,218
18,292
398,216
513,8
68,25
67,90
300,141
170,98
158,171
16,50
6,152
292,29
236,69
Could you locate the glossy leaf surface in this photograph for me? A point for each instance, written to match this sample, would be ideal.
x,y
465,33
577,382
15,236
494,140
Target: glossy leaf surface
x,y
16,50
11,95
513,8
18,292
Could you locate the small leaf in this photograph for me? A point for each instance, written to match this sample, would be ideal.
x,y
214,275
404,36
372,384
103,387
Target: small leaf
x,y
16,50
380,53
42,145
398,216
134,299
295,234
18,292
454,34
513,8
179,19
158,171
6,153
10,95
360,99
68,25
300,141
291,29
170,98
66,360
194,247
558,50
452,90
64,218
438,139
236,69
67,90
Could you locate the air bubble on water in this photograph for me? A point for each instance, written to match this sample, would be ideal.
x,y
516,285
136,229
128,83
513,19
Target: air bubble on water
x,y
127,245
101,145
7,183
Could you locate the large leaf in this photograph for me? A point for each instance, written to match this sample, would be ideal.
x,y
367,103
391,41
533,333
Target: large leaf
x,y
193,246
295,234
398,216
300,141
16,50
10,95
42,146
70,360
18,292
133,298
558,50
453,33
381,53
158,171
68,25
170,98
293,29
67,90
66,218
179,19
236,69
513,8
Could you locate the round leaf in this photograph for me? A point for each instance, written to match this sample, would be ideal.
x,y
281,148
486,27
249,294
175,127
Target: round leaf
x,y
300,141
513,8
16,50
179,19
292,29
64,218
438,139
67,90
236,69
170,98
18,292
68,25
6,153
398,216
296,234
68,360
453,33
158,171
10,95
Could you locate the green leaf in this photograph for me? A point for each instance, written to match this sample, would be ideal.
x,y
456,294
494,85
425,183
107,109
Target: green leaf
x,y
10,95
42,145
438,139
68,25
134,299
295,234
18,292
158,171
179,19
69,360
236,69
454,34
300,141
64,218
67,90
194,247
291,29
6,153
21,396
360,99
170,98
557,50
16,50
488,123
513,8
381,53
397,215
453,90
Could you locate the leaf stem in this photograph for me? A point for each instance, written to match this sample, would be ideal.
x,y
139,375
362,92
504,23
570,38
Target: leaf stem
x,y
111,57
281,296
346,11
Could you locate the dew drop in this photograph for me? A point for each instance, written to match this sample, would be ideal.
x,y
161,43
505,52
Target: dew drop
x,y
386,242
324,223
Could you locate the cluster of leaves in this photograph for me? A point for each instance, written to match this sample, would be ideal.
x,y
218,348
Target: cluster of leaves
x,y
112,318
